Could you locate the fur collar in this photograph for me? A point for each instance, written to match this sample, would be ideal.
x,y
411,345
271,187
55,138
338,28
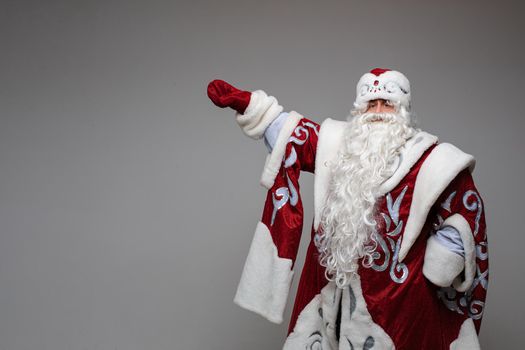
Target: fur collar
x,y
331,136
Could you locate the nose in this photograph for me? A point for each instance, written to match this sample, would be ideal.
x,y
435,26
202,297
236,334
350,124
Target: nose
x,y
379,106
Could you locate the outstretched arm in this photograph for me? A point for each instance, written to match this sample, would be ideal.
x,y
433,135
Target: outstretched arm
x,y
260,115
255,111
268,270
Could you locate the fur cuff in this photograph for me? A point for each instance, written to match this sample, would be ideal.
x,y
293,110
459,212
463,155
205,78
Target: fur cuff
x,y
266,278
441,266
469,246
274,159
261,111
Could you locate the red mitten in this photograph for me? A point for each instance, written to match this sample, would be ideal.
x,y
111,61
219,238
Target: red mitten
x,y
223,95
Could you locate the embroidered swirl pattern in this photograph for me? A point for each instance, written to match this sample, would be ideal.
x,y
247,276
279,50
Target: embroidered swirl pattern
x,y
398,271
452,299
283,195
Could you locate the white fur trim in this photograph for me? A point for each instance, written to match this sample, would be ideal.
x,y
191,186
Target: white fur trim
x,y
274,159
359,325
261,111
317,321
441,166
319,315
308,323
410,153
328,144
390,85
462,226
441,265
266,278
331,136
467,338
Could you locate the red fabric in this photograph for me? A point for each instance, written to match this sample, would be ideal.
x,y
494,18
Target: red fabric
x,y
286,224
402,309
313,278
311,282
378,71
468,203
409,312
413,313
223,94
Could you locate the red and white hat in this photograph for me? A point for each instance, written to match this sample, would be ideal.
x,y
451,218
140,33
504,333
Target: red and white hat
x,y
385,84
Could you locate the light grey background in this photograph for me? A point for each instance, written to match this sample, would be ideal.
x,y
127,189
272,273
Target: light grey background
x,y
128,201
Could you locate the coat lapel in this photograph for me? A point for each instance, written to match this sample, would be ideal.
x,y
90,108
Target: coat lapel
x,y
331,136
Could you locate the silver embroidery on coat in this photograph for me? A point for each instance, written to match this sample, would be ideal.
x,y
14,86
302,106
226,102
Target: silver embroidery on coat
x,y
278,203
311,125
448,295
476,205
297,133
397,267
292,158
393,207
290,193
481,251
376,255
446,203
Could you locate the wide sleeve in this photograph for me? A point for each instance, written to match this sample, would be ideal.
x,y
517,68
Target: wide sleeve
x,y
461,207
268,270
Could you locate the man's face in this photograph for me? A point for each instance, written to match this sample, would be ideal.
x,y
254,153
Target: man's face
x,y
380,106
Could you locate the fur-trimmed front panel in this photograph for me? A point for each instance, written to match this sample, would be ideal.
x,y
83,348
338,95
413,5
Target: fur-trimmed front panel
x,y
320,325
331,138
266,278
443,164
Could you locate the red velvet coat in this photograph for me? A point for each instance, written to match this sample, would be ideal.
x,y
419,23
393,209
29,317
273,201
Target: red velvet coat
x,y
405,300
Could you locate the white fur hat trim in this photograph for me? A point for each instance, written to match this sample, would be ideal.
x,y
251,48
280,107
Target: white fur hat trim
x,y
384,84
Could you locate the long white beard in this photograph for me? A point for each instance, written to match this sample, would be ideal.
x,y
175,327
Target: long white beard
x,y
348,226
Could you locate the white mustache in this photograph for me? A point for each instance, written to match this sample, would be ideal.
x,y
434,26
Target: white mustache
x,y
378,117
